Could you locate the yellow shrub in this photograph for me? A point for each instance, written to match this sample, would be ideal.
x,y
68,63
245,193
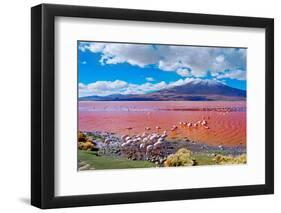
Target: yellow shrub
x,y
181,158
184,151
80,145
81,137
222,159
86,146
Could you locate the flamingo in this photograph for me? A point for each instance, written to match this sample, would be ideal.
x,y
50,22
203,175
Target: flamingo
x,y
124,144
147,128
129,141
138,139
143,135
203,122
129,129
123,137
142,146
174,128
157,144
164,135
158,128
153,137
149,148
107,141
145,140
182,123
160,140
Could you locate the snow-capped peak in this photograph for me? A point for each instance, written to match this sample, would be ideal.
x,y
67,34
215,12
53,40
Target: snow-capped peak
x,y
206,82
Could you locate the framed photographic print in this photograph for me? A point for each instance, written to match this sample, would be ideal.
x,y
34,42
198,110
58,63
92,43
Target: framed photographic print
x,y
139,106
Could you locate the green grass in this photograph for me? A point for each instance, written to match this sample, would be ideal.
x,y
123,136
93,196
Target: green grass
x,y
203,159
108,162
95,137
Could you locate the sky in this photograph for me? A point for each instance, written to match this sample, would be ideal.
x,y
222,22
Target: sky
x,y
121,68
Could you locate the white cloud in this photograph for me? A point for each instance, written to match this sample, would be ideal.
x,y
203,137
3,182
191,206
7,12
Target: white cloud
x,y
149,79
234,74
184,60
220,58
115,53
91,46
183,72
104,88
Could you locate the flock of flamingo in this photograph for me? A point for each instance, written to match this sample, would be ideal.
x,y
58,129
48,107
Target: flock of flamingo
x,y
203,123
144,139
143,145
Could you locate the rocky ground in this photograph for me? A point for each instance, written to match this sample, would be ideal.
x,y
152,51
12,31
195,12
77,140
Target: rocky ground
x,y
82,165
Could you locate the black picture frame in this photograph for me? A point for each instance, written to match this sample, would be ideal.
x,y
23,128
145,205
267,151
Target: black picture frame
x,y
43,102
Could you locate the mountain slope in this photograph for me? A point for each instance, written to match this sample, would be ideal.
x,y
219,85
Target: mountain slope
x,y
196,90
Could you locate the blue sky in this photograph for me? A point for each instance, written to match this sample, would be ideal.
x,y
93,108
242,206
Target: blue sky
x,y
120,68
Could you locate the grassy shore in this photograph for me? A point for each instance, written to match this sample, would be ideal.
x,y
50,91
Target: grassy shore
x,y
103,150
111,162
203,159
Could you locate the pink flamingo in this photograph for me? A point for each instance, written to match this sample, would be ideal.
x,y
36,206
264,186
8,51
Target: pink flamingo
x,y
147,128
174,128
182,123
165,134
196,124
203,122
129,129
158,128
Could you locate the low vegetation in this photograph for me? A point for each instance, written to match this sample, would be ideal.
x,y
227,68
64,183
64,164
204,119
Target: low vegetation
x,y
183,157
89,146
222,159
81,137
95,137
84,142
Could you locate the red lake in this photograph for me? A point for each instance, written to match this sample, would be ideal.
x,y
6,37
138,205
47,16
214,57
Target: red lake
x,y
226,120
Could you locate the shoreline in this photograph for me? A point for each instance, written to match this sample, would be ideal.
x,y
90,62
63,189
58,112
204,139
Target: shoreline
x,y
195,146
154,148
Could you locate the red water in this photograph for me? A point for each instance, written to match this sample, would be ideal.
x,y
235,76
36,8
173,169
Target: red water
x,y
226,120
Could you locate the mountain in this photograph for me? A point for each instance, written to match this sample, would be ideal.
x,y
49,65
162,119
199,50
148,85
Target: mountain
x,y
195,90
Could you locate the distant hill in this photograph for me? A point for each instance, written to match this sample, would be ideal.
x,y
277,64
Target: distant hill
x,y
196,90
